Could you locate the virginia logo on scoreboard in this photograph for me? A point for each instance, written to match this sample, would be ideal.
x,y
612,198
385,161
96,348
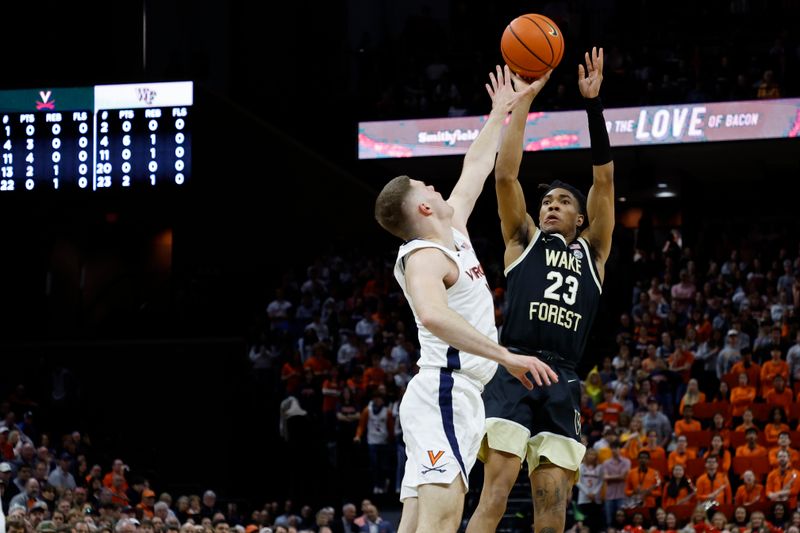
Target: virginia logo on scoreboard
x,y
146,95
45,102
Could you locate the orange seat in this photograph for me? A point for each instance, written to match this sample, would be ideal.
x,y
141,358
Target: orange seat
x,y
795,438
698,439
737,438
660,465
731,379
794,412
759,466
760,412
682,512
704,411
695,467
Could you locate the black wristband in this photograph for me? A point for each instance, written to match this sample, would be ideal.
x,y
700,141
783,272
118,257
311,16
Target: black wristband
x,y
598,135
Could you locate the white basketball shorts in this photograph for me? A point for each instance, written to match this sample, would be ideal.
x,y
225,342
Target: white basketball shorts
x,y
443,423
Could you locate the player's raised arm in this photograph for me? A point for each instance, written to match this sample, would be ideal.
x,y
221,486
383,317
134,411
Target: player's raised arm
x,y
480,157
517,226
426,272
600,203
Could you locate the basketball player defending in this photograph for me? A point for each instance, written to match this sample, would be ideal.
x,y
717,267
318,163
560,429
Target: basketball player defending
x,y
554,275
442,411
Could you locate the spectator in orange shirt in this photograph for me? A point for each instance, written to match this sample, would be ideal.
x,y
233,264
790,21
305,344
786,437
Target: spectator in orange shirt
x,y
688,423
774,367
720,426
749,492
119,468
782,483
374,375
718,450
681,360
713,485
779,395
692,396
742,396
681,454
318,363
643,483
747,366
751,447
747,421
147,503
777,426
610,408
653,363
679,490
784,443
657,454
634,440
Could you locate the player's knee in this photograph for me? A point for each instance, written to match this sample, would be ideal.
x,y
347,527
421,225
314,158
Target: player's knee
x,y
437,524
494,499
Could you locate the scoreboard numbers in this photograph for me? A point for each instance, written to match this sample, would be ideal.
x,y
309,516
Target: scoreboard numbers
x,y
106,137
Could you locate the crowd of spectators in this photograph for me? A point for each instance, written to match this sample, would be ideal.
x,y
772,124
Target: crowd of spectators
x,y
698,404
656,53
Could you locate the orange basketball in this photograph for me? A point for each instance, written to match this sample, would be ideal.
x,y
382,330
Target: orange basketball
x,y
531,45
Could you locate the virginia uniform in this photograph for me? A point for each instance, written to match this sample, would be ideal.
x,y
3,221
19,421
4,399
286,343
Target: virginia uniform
x,y
442,411
553,293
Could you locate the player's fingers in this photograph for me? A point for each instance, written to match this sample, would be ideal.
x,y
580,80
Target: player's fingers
x,y
493,80
544,376
525,381
507,75
489,90
535,374
552,374
600,60
588,62
581,73
500,78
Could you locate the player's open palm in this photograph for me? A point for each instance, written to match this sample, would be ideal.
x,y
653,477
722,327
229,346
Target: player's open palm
x,y
519,366
530,89
591,77
501,89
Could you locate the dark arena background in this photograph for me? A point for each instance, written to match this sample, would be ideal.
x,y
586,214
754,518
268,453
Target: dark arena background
x,y
168,324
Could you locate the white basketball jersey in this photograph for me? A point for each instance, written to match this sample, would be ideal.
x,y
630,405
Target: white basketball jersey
x,y
469,296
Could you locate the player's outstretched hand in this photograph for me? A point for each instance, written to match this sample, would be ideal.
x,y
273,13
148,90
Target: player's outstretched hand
x,y
531,88
519,366
501,90
590,79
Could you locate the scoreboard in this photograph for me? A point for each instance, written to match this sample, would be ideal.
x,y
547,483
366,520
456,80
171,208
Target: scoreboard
x,y
105,137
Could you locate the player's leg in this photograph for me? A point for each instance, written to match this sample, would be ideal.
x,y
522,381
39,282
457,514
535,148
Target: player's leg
x,y
555,453
500,472
441,507
508,423
551,488
408,519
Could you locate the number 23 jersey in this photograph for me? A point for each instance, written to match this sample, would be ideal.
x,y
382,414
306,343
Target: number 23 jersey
x,y
553,291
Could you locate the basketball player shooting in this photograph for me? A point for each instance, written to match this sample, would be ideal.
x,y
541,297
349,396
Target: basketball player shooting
x,y
554,276
442,411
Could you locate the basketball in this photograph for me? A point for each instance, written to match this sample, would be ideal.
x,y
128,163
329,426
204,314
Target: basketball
x,y
531,45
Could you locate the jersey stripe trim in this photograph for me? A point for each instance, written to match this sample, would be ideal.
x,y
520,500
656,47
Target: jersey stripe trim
x,y
453,359
592,266
446,407
521,257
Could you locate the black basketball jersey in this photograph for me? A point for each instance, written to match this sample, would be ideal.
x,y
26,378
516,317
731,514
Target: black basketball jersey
x,y
553,291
